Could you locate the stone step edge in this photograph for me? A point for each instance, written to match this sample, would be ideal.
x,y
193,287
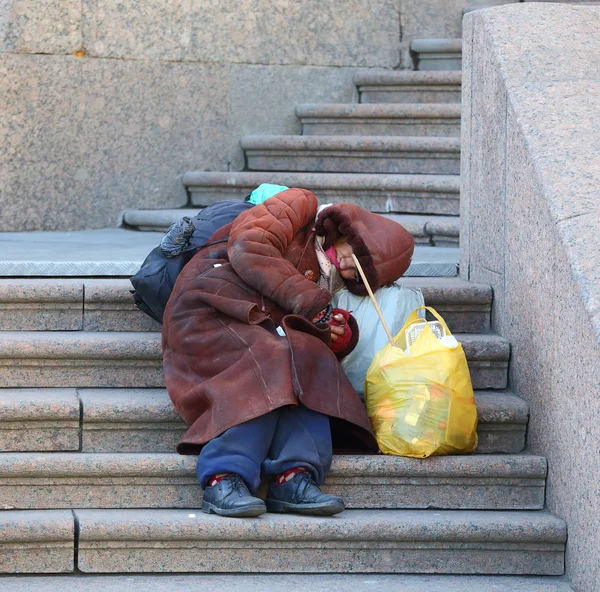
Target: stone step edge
x,y
103,345
380,111
441,526
284,582
96,304
82,291
104,420
90,466
317,181
407,541
443,78
37,541
161,480
421,226
349,144
77,407
496,407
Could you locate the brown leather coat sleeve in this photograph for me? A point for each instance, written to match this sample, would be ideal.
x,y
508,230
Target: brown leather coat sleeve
x,y
258,240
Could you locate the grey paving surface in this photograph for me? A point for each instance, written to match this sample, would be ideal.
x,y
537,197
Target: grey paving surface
x,y
119,252
282,583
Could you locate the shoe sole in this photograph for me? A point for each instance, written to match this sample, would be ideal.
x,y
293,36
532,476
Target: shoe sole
x,y
327,509
246,512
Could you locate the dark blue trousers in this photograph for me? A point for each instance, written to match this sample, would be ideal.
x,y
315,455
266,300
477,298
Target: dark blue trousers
x,y
285,438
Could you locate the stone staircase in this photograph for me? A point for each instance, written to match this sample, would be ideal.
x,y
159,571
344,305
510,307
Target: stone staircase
x,y
87,463
89,482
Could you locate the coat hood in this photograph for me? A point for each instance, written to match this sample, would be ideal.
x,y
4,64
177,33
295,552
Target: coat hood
x,y
383,247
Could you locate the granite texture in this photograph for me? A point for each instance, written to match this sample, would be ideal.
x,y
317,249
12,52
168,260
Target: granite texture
x,y
465,306
353,154
144,420
291,583
108,252
540,99
253,107
129,420
120,252
395,541
440,19
379,120
37,542
39,420
437,54
96,135
40,359
44,359
409,87
426,194
108,306
153,480
332,34
40,26
161,220
34,305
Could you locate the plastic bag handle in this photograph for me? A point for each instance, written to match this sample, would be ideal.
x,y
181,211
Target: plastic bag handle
x,y
414,318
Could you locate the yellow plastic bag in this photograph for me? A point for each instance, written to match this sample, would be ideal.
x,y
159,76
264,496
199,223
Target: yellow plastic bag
x,y
422,404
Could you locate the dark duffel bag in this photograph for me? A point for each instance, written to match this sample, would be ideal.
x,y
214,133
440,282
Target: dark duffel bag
x,y
154,282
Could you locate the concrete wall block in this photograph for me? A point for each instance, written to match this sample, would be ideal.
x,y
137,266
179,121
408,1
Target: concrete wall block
x,y
262,99
40,26
96,136
549,285
349,33
439,19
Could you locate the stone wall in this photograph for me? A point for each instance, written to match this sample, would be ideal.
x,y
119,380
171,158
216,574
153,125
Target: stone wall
x,y
105,103
530,206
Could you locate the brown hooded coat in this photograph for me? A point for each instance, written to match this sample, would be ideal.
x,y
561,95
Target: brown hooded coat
x,y
224,361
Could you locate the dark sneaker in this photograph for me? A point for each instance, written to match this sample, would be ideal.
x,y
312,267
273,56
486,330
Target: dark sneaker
x,y
231,497
301,495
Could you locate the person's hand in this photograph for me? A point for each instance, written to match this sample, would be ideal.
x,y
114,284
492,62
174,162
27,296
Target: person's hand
x,y
338,330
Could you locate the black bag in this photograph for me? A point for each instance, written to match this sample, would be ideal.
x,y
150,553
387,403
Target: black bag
x,y
153,283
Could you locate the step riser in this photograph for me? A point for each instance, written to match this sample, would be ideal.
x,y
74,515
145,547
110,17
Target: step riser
x,y
509,439
143,373
437,54
391,127
380,201
323,557
36,542
112,421
358,493
437,62
117,313
379,193
391,94
424,163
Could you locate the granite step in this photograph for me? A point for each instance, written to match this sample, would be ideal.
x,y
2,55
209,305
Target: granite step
x,y
426,229
37,542
134,359
409,86
119,252
86,304
153,480
379,120
383,193
353,154
437,54
356,541
144,420
283,582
